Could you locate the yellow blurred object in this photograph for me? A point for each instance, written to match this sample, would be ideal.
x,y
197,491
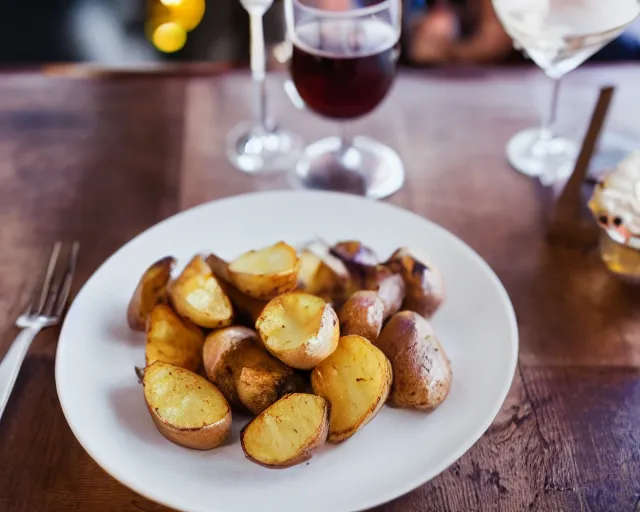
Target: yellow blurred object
x,y
186,13
169,37
168,22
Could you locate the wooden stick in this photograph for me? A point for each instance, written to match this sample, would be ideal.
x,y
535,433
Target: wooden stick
x,y
568,223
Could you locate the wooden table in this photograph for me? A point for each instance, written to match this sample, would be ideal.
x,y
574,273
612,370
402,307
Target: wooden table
x,y
99,159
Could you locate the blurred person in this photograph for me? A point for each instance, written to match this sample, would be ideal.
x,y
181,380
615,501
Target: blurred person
x,y
447,32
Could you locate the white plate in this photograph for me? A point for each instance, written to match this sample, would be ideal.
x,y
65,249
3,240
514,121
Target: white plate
x,y
398,451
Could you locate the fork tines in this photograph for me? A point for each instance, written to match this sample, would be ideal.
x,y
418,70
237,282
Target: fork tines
x,y
56,282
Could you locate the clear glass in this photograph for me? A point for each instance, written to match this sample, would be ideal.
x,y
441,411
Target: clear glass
x,y
342,67
258,146
558,35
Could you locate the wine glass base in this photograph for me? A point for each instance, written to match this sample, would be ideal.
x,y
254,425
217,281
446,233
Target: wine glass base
x,y
532,155
365,167
253,150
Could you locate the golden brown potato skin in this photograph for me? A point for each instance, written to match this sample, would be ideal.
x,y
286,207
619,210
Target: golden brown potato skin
x,y
362,314
421,370
247,375
389,286
322,274
265,286
201,438
304,451
151,290
172,339
197,276
354,252
247,308
314,348
424,284
356,380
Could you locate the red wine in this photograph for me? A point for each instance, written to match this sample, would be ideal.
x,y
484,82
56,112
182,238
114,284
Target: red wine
x,y
344,68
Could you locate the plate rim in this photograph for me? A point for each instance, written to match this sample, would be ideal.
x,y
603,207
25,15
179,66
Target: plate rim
x,y
421,478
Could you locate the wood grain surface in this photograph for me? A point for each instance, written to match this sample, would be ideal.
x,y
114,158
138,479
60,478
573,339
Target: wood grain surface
x,y
99,160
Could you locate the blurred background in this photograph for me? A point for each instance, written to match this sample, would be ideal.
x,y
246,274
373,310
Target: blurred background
x,y
134,33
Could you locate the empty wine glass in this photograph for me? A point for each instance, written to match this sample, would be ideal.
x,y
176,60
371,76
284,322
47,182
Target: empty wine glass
x,y
260,145
343,65
558,35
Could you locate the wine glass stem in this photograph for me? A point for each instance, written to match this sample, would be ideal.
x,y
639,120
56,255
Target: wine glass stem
x,y
259,68
345,140
548,123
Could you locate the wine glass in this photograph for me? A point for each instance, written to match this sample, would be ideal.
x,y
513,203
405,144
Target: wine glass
x,y
343,65
260,145
558,35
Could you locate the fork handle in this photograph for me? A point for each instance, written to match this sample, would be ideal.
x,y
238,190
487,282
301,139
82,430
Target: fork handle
x,y
10,365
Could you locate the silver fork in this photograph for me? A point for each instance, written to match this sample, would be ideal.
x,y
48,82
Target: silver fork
x,y
44,310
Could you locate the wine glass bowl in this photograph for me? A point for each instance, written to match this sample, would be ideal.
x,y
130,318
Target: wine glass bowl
x,y
343,65
558,35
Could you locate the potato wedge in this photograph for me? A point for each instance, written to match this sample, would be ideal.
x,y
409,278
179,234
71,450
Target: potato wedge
x,y
258,388
424,285
197,295
266,273
322,274
173,340
354,252
187,409
359,260
363,315
356,380
247,308
421,370
247,375
151,290
389,286
288,432
299,329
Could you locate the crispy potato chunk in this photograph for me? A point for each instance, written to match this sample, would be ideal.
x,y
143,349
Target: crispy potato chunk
x,y
266,273
299,329
389,286
247,375
421,369
322,274
363,315
424,285
197,295
186,408
288,432
151,290
356,380
171,339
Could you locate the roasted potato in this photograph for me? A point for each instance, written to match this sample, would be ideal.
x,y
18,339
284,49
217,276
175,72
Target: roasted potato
x,y
423,281
352,252
356,380
173,340
389,286
197,295
266,273
362,314
186,408
359,260
322,274
247,375
299,329
288,432
247,308
151,290
421,371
